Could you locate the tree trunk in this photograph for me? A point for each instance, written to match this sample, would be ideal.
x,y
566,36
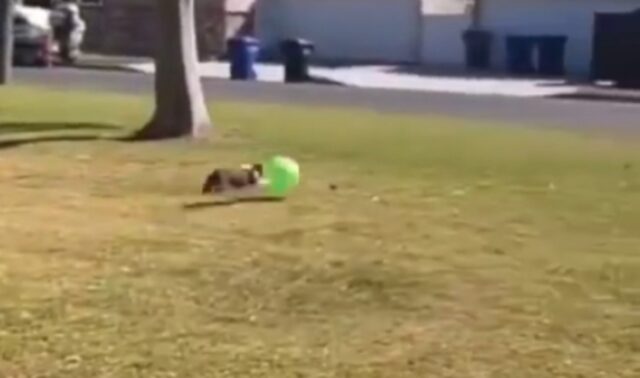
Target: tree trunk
x,y
180,104
6,40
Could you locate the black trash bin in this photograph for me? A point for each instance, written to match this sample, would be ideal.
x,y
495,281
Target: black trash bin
x,y
520,54
477,49
243,54
551,50
296,53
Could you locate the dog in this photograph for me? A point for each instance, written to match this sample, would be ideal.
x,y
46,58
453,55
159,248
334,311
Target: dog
x,y
227,180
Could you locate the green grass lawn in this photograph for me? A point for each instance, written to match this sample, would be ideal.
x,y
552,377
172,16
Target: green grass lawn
x,y
450,248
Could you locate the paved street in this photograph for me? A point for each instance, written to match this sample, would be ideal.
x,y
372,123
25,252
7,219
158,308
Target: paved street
x,y
555,113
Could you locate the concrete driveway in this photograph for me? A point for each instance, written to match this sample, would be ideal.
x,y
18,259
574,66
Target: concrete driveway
x,y
397,77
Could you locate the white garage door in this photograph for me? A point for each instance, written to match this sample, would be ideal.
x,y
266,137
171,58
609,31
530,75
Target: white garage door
x,y
355,30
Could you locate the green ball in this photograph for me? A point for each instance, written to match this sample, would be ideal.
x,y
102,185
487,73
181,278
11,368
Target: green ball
x,y
283,174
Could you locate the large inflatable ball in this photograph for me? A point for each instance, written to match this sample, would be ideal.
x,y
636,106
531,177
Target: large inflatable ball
x,y
283,174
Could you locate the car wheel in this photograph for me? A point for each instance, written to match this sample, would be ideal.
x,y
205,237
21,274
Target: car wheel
x,y
43,63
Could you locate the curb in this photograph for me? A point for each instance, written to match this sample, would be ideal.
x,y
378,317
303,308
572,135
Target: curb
x,y
601,97
123,68
102,67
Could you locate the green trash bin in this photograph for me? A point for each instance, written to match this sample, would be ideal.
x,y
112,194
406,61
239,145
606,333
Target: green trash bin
x,y
520,54
477,45
551,51
296,53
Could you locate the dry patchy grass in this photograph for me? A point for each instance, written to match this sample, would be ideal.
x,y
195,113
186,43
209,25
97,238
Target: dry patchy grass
x,y
448,250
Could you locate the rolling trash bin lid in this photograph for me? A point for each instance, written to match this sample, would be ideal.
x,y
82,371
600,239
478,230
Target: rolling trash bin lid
x,y
296,44
243,40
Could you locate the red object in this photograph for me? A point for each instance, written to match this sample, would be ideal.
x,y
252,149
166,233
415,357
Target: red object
x,y
45,53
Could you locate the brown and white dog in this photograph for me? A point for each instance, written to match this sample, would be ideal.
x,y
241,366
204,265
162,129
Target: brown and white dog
x,y
234,180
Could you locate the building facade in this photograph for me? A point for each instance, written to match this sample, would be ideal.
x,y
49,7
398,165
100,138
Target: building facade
x,y
430,32
442,28
573,19
128,27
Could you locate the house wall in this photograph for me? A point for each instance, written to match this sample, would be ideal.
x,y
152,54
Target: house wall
x,y
573,18
443,22
239,17
430,31
269,28
352,30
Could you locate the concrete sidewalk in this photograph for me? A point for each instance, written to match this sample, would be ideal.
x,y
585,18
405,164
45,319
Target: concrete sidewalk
x,y
109,62
396,78
387,77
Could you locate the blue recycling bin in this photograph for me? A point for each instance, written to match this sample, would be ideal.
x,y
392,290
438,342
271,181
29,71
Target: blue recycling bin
x,y
551,51
520,54
296,54
243,55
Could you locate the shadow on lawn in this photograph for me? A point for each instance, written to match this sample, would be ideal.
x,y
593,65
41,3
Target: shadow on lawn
x,y
16,134
222,203
12,143
34,127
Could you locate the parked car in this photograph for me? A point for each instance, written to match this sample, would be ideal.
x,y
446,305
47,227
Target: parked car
x,y
33,37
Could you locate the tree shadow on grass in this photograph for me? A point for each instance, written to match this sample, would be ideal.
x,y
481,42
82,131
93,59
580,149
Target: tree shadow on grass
x,y
34,127
222,203
16,134
13,143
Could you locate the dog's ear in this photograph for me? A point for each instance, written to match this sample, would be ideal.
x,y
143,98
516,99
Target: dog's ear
x,y
258,169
